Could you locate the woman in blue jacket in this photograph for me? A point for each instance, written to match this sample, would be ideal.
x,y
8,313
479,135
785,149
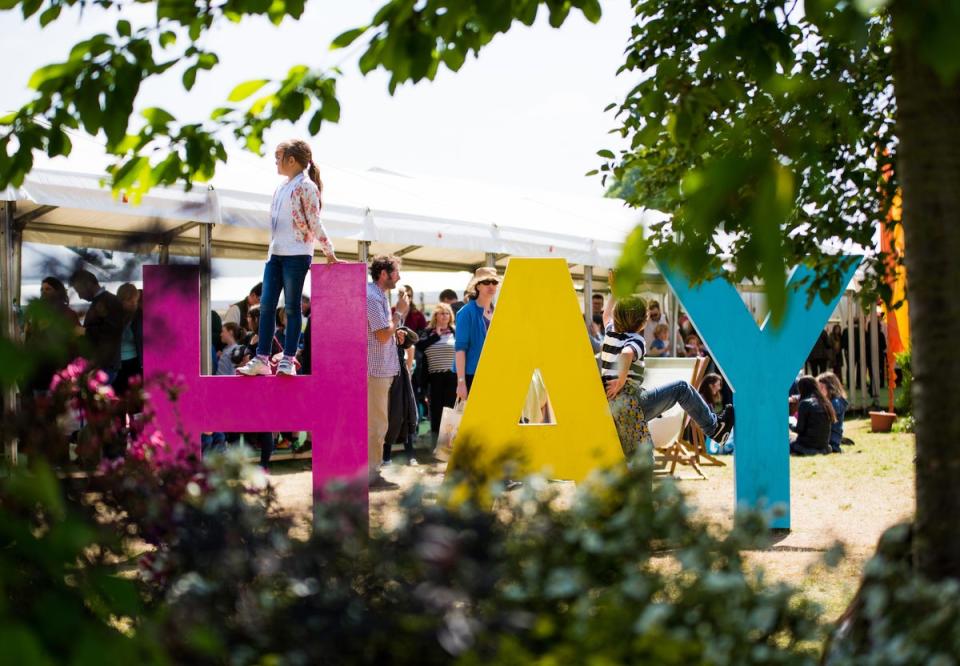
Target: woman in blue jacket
x,y
473,320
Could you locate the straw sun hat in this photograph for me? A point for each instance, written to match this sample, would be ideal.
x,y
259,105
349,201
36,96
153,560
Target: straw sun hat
x,y
481,274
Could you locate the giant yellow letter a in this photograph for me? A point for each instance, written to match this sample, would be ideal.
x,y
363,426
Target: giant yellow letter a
x,y
538,325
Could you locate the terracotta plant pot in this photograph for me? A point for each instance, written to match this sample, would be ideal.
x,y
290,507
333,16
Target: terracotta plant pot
x,y
882,421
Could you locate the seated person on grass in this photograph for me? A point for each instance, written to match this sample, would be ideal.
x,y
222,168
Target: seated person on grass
x,y
833,389
811,434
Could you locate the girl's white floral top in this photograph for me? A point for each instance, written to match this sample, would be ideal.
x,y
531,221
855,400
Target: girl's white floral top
x,y
295,224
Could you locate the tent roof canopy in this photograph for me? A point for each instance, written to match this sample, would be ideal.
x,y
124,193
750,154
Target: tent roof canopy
x,y
434,223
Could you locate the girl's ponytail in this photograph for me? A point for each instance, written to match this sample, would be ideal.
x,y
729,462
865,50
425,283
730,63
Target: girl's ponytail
x,y
299,150
314,173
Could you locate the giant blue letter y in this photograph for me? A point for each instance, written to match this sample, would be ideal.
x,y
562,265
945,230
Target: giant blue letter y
x,y
760,363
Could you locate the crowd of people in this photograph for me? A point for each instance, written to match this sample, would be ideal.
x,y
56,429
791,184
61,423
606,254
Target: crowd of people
x,y
416,367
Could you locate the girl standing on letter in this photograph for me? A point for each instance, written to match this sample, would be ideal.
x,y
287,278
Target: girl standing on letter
x,y
294,229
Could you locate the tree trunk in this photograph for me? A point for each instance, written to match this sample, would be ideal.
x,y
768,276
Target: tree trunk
x,y
928,126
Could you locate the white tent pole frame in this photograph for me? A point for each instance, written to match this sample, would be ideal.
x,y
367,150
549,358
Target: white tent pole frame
x,y
848,363
206,253
490,259
7,313
363,252
864,394
588,294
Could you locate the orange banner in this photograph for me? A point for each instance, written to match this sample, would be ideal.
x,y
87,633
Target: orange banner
x,y
892,243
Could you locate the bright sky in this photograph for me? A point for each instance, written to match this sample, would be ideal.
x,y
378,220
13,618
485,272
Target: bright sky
x,y
528,111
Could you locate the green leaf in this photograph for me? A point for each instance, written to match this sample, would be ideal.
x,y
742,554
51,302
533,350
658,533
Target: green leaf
x,y
207,60
48,73
315,122
49,15
123,28
166,38
157,116
632,264
30,7
190,77
245,89
196,27
606,154
591,10
347,38
87,102
331,110
453,57
59,143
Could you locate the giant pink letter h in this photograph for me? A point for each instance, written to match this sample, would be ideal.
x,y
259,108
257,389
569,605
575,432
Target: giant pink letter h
x,y
330,403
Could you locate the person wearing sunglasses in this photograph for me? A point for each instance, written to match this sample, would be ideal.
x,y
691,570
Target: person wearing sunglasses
x,y
473,320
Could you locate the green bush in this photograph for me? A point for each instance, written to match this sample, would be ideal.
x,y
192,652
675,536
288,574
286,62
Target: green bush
x,y
624,574
61,601
904,404
619,572
897,616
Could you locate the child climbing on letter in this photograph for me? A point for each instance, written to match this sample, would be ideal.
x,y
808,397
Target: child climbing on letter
x,y
622,368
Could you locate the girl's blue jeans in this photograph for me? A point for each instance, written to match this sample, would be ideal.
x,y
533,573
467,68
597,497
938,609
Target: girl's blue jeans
x,y
282,273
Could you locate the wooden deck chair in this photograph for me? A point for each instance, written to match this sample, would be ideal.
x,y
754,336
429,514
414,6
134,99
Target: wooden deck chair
x,y
670,447
697,442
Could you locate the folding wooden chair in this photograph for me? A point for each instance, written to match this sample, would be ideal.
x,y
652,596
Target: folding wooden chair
x,y
697,442
670,446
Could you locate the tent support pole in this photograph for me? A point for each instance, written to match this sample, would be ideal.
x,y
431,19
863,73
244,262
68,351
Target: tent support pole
x,y
674,324
862,358
490,260
588,294
206,253
850,361
17,237
7,314
363,252
164,254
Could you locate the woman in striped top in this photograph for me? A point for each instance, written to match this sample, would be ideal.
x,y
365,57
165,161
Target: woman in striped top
x,y
438,350
622,371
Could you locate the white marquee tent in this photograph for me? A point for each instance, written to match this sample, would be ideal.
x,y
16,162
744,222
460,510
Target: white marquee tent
x,y
433,223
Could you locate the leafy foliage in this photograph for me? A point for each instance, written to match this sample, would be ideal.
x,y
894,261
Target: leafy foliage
x,y
619,572
411,40
759,124
61,601
96,89
898,617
